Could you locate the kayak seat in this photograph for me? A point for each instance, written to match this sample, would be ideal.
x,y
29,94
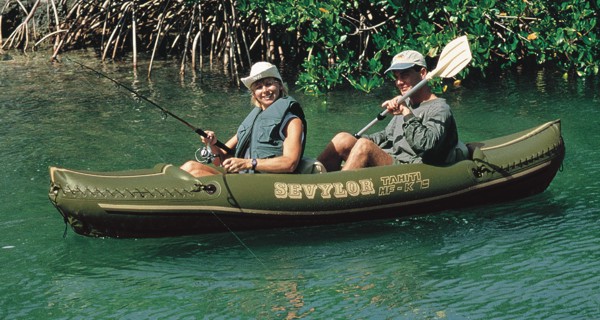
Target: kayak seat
x,y
310,166
460,152
474,151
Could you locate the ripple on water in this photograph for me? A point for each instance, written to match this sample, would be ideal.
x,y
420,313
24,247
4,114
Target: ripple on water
x,y
530,258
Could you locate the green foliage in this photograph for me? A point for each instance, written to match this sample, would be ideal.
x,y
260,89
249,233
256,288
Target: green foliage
x,y
335,42
355,40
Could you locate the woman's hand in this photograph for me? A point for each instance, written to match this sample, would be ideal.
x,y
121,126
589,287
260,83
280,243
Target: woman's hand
x,y
237,164
210,138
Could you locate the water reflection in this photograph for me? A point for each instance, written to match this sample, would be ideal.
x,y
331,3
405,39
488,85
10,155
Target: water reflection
x,y
530,258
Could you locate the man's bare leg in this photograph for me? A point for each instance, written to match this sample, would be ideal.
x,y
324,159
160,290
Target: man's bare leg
x,y
364,154
337,151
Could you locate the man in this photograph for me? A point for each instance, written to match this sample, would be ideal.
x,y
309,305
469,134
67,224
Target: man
x,y
421,131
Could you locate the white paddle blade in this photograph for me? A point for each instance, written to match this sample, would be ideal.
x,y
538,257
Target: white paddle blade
x,y
455,56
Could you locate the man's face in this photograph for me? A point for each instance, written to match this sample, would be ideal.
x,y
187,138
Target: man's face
x,y
407,78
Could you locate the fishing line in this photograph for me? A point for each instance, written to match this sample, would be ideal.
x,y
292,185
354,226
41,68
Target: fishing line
x,y
239,240
165,112
229,229
139,138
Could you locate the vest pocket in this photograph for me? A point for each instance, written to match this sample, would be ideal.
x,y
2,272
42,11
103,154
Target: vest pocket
x,y
267,132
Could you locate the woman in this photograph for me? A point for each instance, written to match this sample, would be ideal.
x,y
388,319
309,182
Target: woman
x,y
270,139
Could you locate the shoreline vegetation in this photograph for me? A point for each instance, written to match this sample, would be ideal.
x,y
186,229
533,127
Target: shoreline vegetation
x,y
332,43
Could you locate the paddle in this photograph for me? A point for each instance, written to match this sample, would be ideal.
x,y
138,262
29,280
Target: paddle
x,y
455,56
165,111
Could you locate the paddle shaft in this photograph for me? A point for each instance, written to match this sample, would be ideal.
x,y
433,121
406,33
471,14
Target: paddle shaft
x,y
195,129
382,115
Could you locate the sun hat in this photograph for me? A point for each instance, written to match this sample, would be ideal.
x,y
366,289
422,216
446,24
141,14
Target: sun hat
x,y
407,59
259,71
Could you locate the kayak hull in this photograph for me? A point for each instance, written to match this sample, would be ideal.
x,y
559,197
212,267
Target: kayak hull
x,y
166,201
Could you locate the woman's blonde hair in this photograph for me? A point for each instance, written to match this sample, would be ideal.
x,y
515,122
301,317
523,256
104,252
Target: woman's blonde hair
x,y
283,92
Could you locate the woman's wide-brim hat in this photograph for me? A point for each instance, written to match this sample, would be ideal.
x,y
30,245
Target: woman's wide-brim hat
x,y
259,71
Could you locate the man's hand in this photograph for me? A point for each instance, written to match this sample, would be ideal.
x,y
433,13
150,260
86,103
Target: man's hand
x,y
396,108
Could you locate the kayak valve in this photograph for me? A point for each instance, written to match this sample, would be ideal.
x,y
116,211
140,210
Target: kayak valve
x,y
208,188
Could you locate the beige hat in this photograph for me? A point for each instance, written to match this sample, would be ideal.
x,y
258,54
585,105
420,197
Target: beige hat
x,y
407,59
259,71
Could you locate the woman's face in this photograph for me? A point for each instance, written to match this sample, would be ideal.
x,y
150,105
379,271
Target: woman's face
x,y
266,91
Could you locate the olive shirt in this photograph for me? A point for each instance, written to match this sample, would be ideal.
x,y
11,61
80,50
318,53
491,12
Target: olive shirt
x,y
428,135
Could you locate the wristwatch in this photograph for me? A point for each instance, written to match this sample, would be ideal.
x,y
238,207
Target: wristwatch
x,y
254,163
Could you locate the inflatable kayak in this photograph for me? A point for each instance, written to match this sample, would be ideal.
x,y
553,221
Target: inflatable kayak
x,y
166,201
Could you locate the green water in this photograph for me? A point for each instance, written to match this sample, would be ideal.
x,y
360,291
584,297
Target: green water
x,y
536,258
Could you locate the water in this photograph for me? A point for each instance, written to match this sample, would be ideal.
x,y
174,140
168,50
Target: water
x,y
535,258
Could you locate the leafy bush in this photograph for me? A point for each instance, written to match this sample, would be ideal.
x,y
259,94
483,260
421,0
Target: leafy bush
x,y
334,42
353,40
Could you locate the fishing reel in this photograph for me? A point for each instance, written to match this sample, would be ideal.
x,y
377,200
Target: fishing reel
x,y
203,155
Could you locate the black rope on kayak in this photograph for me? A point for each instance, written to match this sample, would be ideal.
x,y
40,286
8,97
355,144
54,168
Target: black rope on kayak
x,y
66,229
54,189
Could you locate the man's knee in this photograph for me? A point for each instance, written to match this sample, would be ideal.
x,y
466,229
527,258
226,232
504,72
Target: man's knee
x,y
342,138
343,142
363,146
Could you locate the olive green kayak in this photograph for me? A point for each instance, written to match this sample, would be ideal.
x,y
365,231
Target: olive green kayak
x,y
166,201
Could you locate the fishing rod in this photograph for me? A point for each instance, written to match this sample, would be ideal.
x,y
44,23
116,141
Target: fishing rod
x,y
165,111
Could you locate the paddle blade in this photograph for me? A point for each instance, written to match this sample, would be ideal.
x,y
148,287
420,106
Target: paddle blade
x,y
455,56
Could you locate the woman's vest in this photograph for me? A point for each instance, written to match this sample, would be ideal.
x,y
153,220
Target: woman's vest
x,y
259,133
